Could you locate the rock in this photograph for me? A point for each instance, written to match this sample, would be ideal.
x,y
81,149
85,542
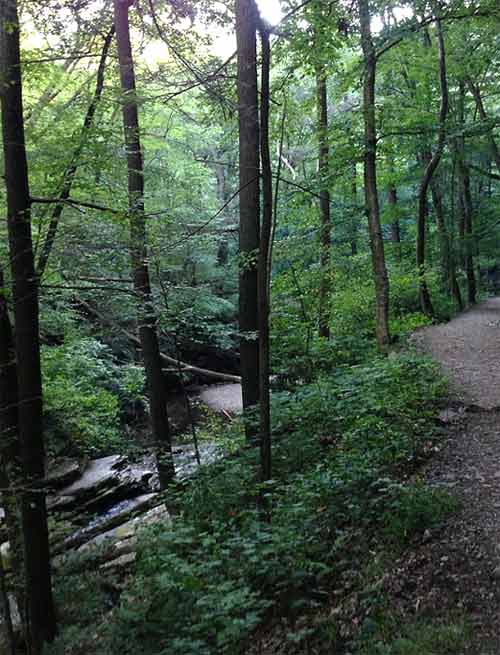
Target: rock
x,y
104,482
99,473
116,516
63,471
223,398
450,415
124,536
120,562
15,617
60,503
5,555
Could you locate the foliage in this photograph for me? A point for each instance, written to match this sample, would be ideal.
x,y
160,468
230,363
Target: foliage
x,y
85,392
219,570
388,636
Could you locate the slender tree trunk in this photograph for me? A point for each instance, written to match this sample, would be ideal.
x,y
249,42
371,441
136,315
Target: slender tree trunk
x,y
39,611
392,198
222,194
466,200
10,455
371,192
324,201
446,248
264,263
248,117
70,172
354,216
138,250
433,163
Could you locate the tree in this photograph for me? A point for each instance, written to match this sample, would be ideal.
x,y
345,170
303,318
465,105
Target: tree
x,y
70,172
264,263
247,20
381,278
324,199
431,166
146,316
39,614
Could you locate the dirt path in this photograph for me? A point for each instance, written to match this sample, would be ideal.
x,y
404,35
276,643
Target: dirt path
x,y
468,348
458,568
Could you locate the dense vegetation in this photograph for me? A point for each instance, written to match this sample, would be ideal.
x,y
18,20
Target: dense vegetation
x,y
148,249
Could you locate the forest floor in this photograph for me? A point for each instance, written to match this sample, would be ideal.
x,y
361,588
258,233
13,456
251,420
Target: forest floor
x,y
459,567
451,574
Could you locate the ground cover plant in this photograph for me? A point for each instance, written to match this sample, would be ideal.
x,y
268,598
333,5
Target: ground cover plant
x,y
207,581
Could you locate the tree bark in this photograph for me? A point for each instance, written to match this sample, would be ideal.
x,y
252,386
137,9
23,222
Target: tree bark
x,y
138,250
10,455
392,198
354,215
324,201
264,263
39,611
447,256
433,163
370,173
249,232
70,172
465,200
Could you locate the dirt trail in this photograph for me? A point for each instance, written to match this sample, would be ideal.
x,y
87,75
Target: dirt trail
x,y
468,348
458,568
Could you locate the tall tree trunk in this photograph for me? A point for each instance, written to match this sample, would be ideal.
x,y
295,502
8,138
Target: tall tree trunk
x,y
10,455
432,164
324,201
465,199
264,263
446,248
371,192
392,198
39,611
249,232
70,172
354,215
138,250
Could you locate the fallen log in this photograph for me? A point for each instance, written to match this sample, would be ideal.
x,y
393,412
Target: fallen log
x,y
215,375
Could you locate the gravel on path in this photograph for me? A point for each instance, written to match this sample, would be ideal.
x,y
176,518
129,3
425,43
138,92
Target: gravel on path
x,y
468,349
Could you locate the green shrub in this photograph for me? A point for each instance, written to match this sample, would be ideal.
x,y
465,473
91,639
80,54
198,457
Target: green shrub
x,y
84,391
419,638
205,582
409,510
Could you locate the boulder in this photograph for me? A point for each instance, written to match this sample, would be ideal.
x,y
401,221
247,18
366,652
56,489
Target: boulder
x,y
63,471
104,482
99,473
116,516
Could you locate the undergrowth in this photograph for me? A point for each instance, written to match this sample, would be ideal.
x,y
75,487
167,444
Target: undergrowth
x,y
240,554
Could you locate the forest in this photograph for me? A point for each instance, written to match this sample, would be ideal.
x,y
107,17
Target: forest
x,y
249,254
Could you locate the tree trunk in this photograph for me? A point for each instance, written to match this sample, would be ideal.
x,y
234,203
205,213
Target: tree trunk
x,y
447,256
465,200
264,263
248,118
10,455
138,250
70,172
40,616
370,172
395,231
433,163
324,201
354,215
